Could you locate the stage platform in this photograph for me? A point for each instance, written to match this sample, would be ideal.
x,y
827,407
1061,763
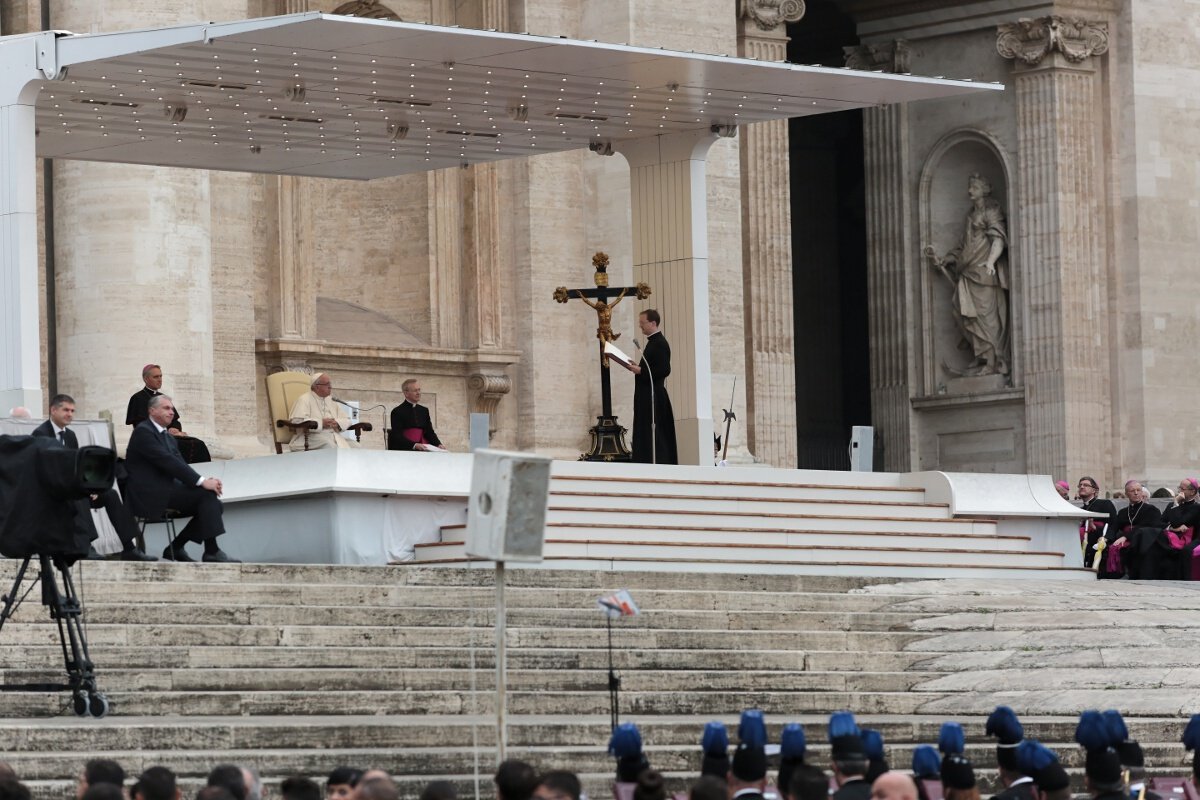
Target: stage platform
x,y
371,507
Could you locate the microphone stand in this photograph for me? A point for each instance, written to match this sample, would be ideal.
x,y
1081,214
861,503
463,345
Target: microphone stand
x,y
368,408
653,407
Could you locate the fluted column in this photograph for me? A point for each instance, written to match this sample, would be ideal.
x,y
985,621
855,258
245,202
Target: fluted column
x,y
889,247
1061,216
889,260
766,255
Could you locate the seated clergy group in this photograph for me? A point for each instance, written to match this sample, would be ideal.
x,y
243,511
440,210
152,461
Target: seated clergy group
x,y
160,482
1140,541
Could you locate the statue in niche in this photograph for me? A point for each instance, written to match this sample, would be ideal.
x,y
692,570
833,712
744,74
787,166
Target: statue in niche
x,y
977,270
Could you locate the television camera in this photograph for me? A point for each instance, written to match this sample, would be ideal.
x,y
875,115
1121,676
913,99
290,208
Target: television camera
x,y
41,483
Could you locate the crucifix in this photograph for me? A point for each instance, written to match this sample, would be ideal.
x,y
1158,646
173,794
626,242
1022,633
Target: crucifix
x,y
608,438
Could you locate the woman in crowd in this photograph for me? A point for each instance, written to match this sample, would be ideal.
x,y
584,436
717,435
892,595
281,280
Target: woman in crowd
x,y
1164,550
1137,514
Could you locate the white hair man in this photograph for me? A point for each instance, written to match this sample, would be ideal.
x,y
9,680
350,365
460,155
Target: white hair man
x,y
318,406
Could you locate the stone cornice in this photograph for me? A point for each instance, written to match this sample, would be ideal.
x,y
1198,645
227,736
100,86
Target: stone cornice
x,y
770,14
1031,40
445,361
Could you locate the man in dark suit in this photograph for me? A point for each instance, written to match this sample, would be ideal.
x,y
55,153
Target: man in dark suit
x,y
62,414
159,479
412,428
193,450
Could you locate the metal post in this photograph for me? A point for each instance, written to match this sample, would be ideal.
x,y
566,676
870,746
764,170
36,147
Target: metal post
x,y
501,680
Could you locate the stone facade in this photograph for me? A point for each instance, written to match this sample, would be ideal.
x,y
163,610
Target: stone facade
x,y
1091,159
224,278
448,277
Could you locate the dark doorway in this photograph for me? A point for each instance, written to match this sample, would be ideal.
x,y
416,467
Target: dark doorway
x,y
829,256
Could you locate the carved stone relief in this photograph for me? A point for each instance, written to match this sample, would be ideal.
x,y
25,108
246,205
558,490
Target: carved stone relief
x,y
770,14
883,56
1031,40
372,9
488,390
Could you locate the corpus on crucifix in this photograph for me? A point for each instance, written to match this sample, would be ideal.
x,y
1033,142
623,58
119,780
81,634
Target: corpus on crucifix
x,y
608,438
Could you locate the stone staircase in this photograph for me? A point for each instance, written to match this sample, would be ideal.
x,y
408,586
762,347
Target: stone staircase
x,y
297,669
787,521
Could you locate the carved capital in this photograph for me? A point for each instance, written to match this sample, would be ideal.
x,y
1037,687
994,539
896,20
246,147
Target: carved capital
x,y
489,391
1031,40
770,14
879,57
371,9
290,366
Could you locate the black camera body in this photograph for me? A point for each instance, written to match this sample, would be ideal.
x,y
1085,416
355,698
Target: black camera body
x,y
40,484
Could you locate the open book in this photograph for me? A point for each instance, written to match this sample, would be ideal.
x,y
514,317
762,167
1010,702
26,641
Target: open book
x,y
615,353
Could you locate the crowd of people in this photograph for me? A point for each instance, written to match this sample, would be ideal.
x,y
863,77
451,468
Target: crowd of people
x,y
1139,541
857,769
1114,764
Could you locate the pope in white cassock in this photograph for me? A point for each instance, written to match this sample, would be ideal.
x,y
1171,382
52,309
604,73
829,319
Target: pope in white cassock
x,y
330,417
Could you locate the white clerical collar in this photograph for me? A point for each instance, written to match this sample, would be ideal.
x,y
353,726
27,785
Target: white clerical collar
x,y
1020,780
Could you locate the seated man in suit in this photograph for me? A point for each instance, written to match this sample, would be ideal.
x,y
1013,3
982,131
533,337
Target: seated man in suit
x,y
62,414
412,428
194,451
159,479
331,418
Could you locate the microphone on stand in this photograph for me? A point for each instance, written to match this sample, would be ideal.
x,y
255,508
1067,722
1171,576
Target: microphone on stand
x,y
637,344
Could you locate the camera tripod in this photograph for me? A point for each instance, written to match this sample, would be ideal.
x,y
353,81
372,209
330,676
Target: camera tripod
x,y
65,609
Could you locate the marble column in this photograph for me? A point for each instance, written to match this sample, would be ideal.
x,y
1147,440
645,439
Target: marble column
x,y
766,252
20,342
1059,229
134,256
889,260
667,182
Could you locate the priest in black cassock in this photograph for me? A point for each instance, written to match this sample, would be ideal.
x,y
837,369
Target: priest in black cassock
x,y
193,450
650,379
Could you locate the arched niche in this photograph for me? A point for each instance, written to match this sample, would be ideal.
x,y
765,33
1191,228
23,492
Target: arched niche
x,y
944,205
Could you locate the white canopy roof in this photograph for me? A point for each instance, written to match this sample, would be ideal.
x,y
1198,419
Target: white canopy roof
x,y
332,96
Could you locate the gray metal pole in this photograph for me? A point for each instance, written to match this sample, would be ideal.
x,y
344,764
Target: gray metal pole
x,y
501,679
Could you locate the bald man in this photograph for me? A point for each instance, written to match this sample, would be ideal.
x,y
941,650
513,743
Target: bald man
x,y
331,418
894,786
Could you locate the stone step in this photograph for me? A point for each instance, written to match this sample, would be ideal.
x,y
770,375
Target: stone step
x,y
395,636
171,657
707,489
49,657
634,548
203,703
755,518
746,502
116,680
441,579
130,734
723,536
765,568
100,613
